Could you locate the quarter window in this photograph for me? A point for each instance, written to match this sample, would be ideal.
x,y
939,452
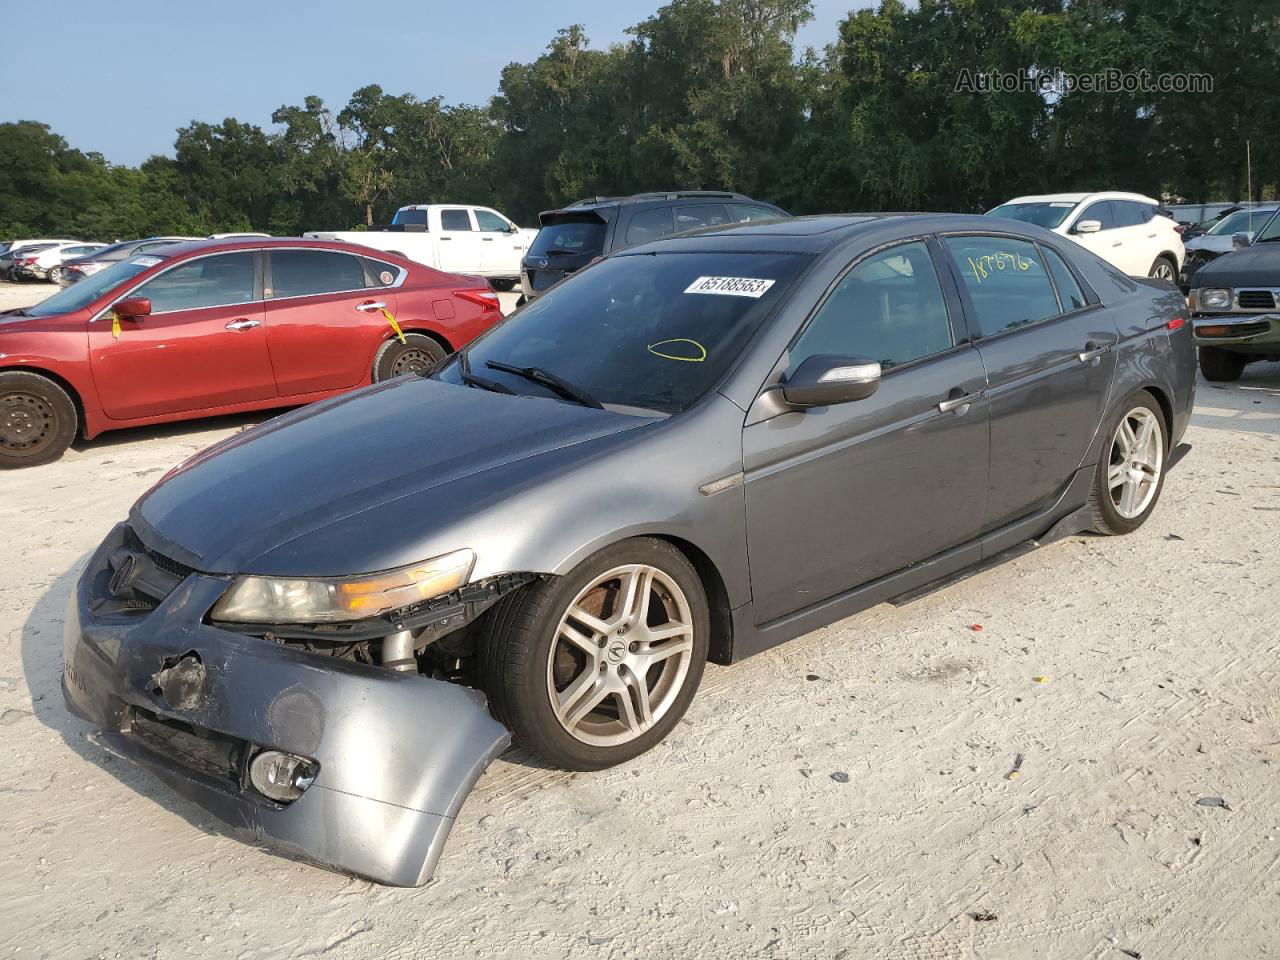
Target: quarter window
x,y
1069,291
490,222
888,308
208,282
649,225
455,220
302,273
1006,280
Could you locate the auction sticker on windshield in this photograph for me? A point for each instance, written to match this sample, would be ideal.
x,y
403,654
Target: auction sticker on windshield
x,y
731,286
146,261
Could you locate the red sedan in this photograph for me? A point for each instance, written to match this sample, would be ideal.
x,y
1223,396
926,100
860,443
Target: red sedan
x,y
214,327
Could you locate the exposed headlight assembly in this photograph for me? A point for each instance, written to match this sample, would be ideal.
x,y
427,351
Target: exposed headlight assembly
x,y
337,599
1213,298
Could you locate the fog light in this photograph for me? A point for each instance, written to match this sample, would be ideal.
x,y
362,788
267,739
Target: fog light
x,y
281,776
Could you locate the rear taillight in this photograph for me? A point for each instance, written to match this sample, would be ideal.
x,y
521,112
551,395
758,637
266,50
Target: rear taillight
x,y
485,298
1181,228
26,261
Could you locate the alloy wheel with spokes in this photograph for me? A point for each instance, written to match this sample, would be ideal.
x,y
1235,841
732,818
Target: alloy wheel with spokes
x,y
1131,470
1137,457
1164,270
594,667
620,656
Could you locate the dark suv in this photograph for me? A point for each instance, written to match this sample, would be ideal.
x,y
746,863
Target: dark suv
x,y
575,235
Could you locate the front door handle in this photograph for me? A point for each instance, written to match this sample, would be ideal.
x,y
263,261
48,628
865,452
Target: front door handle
x,y
371,306
487,239
959,404
1092,353
243,324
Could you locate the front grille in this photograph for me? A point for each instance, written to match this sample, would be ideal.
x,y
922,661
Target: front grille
x,y
169,565
196,748
1256,300
135,579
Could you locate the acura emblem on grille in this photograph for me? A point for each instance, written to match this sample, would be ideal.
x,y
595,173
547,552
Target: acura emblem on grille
x,y
122,579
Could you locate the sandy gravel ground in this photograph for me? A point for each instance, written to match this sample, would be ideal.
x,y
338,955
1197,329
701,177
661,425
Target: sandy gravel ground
x,y
848,795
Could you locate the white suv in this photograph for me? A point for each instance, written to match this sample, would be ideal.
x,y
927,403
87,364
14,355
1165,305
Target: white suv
x,y
1128,230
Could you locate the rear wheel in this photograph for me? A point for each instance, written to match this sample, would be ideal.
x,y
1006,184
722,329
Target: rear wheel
x,y
37,420
1221,366
1130,472
1164,269
55,274
502,285
417,353
594,668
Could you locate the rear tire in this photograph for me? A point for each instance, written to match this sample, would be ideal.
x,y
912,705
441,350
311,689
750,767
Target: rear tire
x,y
55,274
1131,469
578,668
503,285
418,353
1165,269
38,420
1221,366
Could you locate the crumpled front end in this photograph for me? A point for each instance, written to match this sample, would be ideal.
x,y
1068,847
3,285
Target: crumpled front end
x,y
390,757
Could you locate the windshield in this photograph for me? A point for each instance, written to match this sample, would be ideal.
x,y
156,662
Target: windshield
x,y
80,295
1242,221
415,217
1270,230
654,331
1047,215
571,238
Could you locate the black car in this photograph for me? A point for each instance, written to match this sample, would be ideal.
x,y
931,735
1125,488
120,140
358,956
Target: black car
x,y
1235,303
573,236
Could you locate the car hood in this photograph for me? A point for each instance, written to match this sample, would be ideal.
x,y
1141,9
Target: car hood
x,y
258,490
1213,244
1254,266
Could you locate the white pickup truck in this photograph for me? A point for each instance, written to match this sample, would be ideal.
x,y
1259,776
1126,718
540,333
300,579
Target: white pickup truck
x,y
453,237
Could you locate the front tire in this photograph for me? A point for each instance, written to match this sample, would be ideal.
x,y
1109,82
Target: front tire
x,y
37,420
1221,366
1130,472
418,353
55,275
594,668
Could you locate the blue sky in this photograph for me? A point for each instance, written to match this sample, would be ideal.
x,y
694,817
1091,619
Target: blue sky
x,y
121,77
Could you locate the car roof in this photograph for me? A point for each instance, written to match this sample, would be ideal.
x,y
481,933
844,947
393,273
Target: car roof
x,y
818,234
1079,197
263,243
656,197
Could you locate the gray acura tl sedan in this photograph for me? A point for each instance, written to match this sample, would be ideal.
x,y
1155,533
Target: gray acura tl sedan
x,y
324,628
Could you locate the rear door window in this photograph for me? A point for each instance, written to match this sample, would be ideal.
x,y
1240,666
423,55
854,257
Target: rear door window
x,y
745,212
703,215
1129,214
303,273
455,220
1100,211
649,225
1006,280
208,282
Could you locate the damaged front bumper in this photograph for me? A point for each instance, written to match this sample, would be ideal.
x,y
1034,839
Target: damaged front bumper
x,y
395,754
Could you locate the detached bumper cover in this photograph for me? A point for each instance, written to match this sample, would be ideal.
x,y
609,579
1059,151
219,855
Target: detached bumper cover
x,y
397,754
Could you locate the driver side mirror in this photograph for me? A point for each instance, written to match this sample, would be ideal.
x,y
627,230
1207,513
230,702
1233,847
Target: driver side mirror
x,y
1088,226
1239,241
135,308
827,379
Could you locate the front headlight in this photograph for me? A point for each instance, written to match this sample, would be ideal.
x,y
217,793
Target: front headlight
x,y
1212,298
335,599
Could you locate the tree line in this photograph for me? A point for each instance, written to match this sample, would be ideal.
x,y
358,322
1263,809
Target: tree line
x,y
714,94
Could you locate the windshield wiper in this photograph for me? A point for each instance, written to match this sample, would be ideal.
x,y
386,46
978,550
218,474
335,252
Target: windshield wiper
x,y
550,381
484,383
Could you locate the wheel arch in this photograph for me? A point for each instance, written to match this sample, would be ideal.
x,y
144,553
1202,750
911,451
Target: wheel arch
x,y
82,426
721,648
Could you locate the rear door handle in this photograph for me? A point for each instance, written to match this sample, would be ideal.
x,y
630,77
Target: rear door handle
x,y
243,324
1092,352
958,404
371,306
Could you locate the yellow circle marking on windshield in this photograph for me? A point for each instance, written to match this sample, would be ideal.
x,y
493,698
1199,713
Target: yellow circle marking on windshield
x,y
653,348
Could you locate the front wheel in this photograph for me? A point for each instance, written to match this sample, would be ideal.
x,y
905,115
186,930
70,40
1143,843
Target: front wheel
x,y
594,668
37,420
1221,366
1130,471
55,275
418,353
